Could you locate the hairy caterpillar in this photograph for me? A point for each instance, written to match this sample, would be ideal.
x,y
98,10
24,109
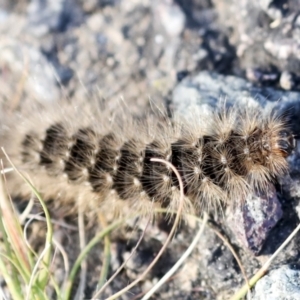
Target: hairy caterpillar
x,y
102,161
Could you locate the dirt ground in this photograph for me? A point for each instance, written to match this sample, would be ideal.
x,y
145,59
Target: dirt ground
x,y
139,50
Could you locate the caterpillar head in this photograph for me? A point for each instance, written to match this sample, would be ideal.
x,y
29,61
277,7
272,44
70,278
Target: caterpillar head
x,y
280,143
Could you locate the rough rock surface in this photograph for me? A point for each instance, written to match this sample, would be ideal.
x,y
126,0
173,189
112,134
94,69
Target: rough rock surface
x,y
282,283
267,39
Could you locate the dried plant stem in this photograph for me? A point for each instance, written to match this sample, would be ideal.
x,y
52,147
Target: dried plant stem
x,y
225,241
176,222
55,222
262,271
185,255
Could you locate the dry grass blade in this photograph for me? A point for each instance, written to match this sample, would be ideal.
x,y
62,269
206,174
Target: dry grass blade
x,y
96,239
13,227
43,274
35,270
107,255
123,264
10,272
234,254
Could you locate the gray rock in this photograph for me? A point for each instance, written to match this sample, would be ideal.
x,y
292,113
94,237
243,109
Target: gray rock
x,y
203,93
279,284
39,76
286,80
209,88
47,16
253,222
171,17
267,38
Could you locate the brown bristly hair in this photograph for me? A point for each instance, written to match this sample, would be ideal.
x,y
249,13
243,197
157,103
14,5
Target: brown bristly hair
x,y
79,155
